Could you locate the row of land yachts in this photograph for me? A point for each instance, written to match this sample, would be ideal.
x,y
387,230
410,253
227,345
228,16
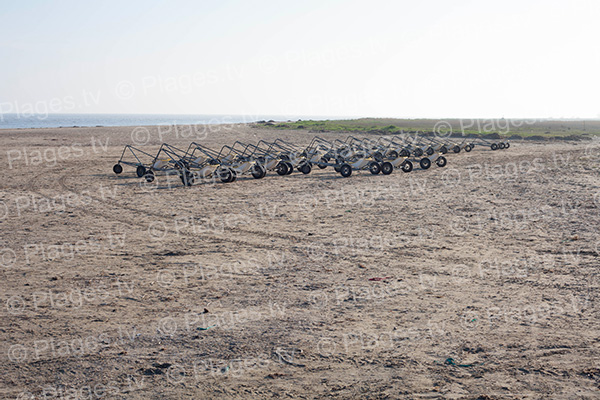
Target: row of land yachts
x,y
381,155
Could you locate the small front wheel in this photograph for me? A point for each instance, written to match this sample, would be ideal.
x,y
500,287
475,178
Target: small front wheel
x,y
227,175
305,168
346,170
375,168
456,149
258,172
149,176
407,166
140,171
494,146
290,167
187,178
425,163
387,168
117,169
282,168
441,161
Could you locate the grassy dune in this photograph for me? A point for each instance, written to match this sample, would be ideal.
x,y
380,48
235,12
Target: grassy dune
x,y
548,129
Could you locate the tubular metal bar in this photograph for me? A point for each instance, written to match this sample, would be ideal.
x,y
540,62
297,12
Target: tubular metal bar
x,y
133,151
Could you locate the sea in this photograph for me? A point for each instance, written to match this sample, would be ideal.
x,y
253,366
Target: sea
x,y
29,121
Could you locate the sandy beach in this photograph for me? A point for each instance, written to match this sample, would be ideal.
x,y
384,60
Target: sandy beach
x,y
474,281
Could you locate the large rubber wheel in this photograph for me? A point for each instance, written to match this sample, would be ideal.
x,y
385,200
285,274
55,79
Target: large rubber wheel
x,y
441,161
305,168
468,148
375,168
418,152
378,156
429,151
187,178
258,171
345,170
407,166
323,161
282,168
494,146
404,153
387,168
507,145
443,150
425,163
226,175
140,171
456,149
117,168
393,154
501,146
149,176
290,167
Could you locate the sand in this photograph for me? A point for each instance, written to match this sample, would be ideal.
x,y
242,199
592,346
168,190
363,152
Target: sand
x,y
487,275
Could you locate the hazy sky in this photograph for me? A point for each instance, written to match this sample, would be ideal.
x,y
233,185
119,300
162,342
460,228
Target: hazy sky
x,y
429,58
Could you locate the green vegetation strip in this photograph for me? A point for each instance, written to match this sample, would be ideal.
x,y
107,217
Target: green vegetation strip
x,y
504,128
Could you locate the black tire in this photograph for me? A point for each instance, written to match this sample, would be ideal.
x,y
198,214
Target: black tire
x,y
387,168
441,161
375,168
456,149
345,170
404,153
407,166
501,146
305,168
429,151
494,146
117,168
285,157
140,171
443,150
290,167
187,178
418,152
425,163
282,168
378,156
468,148
323,161
507,145
393,155
258,171
226,175
149,176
